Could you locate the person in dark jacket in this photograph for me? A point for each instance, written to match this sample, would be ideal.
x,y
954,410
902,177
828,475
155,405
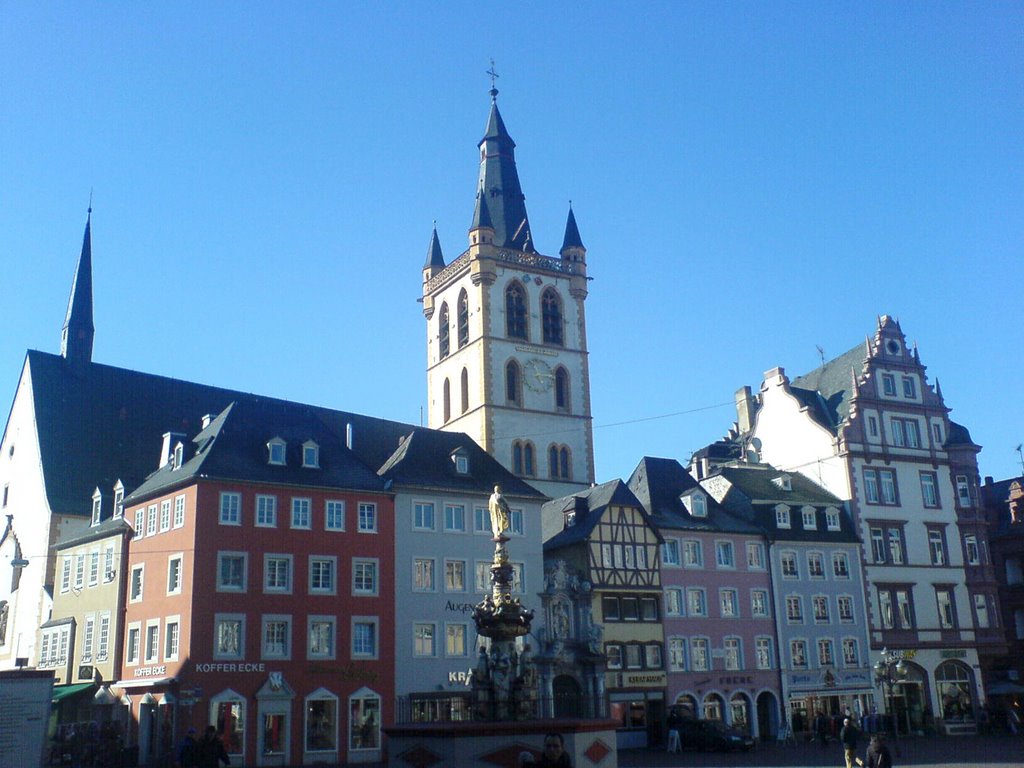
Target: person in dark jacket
x,y
878,753
554,753
188,750
211,750
821,728
849,736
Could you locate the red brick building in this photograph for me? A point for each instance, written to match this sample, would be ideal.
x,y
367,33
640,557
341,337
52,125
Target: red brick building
x,y
259,592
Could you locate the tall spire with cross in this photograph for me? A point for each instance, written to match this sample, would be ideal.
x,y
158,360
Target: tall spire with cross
x,y
77,336
499,181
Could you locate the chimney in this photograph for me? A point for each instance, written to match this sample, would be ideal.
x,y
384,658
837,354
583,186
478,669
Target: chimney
x,y
167,449
744,410
205,421
348,435
988,480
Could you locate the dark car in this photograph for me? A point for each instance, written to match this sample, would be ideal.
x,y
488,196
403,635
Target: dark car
x,y
711,734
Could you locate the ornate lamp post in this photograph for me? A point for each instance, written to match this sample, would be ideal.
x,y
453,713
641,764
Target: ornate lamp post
x,y
889,670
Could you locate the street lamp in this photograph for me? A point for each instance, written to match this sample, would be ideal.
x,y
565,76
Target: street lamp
x,y
889,670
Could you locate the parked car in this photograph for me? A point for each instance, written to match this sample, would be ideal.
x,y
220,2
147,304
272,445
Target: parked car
x,y
712,734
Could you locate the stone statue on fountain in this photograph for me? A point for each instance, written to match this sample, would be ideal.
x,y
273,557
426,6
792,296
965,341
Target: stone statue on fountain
x,y
504,682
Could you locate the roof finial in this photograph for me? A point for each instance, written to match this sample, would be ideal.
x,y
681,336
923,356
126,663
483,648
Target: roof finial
x,y
90,201
494,75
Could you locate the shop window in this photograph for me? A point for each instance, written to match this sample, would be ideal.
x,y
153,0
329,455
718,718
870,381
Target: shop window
x,y
227,712
321,721
364,720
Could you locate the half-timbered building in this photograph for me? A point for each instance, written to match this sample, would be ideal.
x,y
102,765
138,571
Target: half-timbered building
x,y
605,535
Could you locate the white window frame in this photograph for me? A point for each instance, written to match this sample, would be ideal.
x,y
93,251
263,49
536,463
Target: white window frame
x,y
357,621
453,525
221,586
302,513
165,515
230,508
367,522
424,516
845,616
782,519
169,653
725,555
278,590
154,656
693,553
809,518
314,620
729,603
365,562
310,455
266,511
764,656
151,520
178,557
833,521
277,452
465,567
179,511
277,619
702,602
133,644
332,561
141,570
218,619
675,601
840,557
670,554
334,508
759,596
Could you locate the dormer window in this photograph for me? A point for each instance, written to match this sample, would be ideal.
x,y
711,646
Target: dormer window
x,y
179,456
97,506
832,518
119,499
696,504
570,518
784,482
810,523
461,461
310,454
782,516
276,449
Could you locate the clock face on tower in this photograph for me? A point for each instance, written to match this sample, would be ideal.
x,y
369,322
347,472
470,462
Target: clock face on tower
x,y
538,375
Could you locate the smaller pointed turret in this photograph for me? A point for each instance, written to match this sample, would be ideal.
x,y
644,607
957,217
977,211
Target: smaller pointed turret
x,y
435,259
482,229
77,336
572,244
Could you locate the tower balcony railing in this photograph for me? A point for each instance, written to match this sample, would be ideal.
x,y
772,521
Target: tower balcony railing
x,y
509,256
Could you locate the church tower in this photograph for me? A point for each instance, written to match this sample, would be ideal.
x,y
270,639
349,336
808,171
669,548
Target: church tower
x,y
77,336
506,333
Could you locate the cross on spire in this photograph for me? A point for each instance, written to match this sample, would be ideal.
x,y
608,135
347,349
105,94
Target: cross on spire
x,y
494,76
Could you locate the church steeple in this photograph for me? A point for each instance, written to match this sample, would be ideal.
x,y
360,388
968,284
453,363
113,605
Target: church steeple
x,y
499,184
77,336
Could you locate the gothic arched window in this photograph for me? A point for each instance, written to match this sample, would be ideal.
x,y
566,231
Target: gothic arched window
x,y
465,390
528,462
513,382
558,462
515,311
561,389
463,319
517,457
442,331
447,401
523,458
563,462
551,310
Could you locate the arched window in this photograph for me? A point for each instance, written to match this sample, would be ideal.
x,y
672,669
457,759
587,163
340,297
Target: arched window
x,y
513,383
447,401
442,331
558,462
561,389
515,311
551,309
523,458
463,318
465,390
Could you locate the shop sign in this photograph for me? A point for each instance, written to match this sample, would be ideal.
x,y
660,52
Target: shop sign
x,y
158,671
953,653
230,667
348,671
644,680
452,607
908,653
736,680
461,678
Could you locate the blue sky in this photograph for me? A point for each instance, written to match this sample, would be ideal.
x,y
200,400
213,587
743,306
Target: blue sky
x,y
751,181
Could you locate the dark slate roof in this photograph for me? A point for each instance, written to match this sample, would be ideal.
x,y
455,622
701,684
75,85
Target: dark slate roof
x,y
658,484
234,447
499,183
423,460
107,528
754,496
97,424
77,340
832,382
755,482
481,213
572,237
996,499
720,450
589,505
958,435
434,256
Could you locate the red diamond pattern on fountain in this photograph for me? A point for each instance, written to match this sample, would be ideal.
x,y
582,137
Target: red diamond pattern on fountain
x,y
597,752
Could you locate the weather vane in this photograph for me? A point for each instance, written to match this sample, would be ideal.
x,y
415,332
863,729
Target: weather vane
x,y
494,76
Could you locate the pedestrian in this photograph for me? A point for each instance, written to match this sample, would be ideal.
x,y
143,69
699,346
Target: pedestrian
x,y
821,728
188,750
849,735
878,753
554,753
211,750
